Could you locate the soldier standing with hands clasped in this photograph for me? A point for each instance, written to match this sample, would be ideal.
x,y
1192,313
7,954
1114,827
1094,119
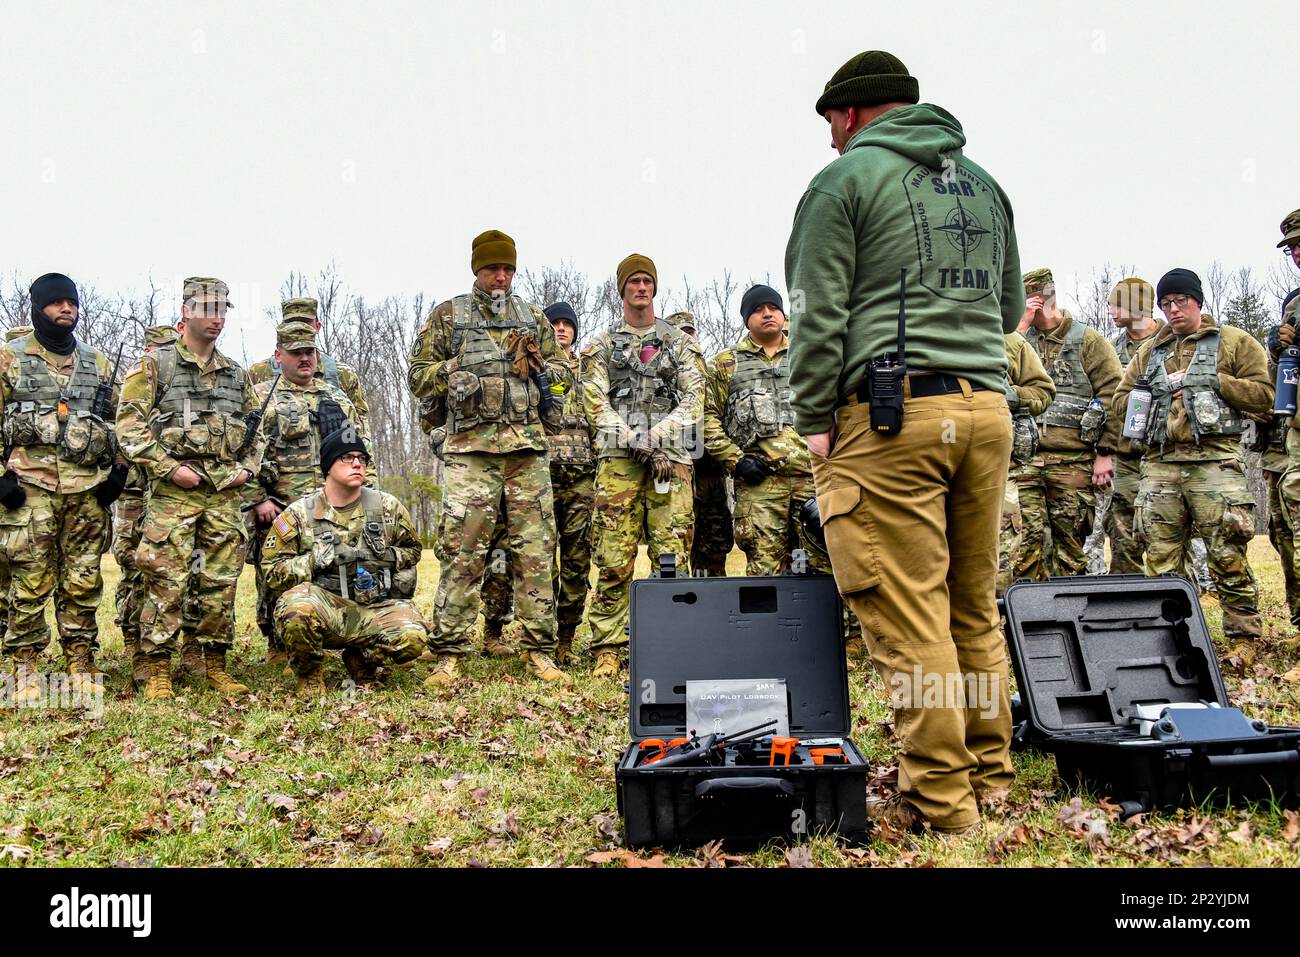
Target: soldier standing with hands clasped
x,y
183,419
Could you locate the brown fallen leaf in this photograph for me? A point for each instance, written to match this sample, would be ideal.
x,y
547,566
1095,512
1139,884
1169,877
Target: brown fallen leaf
x,y
506,824
1244,834
480,795
1293,675
438,847
799,856
1291,830
627,858
281,802
450,783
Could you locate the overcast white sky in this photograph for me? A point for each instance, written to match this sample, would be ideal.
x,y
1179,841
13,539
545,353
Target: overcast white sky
x,y
245,140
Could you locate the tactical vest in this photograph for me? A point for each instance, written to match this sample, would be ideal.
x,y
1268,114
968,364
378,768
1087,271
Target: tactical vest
x,y
485,389
373,547
294,445
570,443
329,369
1207,413
40,412
1121,344
644,393
195,421
1073,389
758,399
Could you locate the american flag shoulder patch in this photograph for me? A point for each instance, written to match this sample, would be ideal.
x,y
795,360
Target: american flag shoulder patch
x,y
281,526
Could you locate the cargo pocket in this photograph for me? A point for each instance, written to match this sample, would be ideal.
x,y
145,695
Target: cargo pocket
x,y
151,555
850,538
235,432
1238,523
15,531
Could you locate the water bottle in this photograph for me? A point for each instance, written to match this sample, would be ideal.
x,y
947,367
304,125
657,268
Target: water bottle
x,y
1139,409
365,587
1288,374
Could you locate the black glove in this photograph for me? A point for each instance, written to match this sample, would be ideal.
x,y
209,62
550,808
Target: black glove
x,y
752,470
12,495
107,491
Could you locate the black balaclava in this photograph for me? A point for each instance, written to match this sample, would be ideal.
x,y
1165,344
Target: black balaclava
x,y
52,287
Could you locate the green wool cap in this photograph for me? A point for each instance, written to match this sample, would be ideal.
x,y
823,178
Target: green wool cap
x,y
868,79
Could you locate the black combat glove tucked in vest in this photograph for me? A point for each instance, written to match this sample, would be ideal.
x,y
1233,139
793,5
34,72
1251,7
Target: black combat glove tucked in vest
x,y
107,491
12,495
752,470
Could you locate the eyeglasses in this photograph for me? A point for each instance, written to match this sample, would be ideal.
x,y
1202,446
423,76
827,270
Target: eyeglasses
x,y
1170,301
354,458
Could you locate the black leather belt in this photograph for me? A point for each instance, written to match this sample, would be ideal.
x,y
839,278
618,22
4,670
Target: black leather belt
x,y
927,384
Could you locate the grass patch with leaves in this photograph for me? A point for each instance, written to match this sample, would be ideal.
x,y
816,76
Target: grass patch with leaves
x,y
503,770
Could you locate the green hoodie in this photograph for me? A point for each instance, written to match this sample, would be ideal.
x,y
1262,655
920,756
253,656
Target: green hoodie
x,y
901,196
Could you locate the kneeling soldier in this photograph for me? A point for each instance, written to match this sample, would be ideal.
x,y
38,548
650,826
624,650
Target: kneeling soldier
x,y
345,558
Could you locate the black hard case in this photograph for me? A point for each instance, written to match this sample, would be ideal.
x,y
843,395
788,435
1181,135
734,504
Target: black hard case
x,y
694,629
1087,650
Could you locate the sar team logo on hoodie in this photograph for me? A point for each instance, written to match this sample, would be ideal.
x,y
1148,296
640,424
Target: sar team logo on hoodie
x,y
958,223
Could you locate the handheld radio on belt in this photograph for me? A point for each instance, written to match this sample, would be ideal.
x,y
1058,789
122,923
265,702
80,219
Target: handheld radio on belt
x,y
885,375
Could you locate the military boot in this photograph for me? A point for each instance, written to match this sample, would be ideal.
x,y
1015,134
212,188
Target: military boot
x,y
494,645
540,665
311,685
607,665
159,687
27,678
82,672
140,668
218,680
361,667
191,665
564,646
448,671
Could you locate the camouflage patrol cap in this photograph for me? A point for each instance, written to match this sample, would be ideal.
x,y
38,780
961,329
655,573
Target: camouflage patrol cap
x,y
206,289
160,335
299,309
682,320
17,332
1039,281
294,335
1136,295
1290,230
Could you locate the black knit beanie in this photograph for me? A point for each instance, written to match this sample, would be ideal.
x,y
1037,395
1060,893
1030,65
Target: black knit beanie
x,y
759,295
868,79
338,443
1180,282
562,311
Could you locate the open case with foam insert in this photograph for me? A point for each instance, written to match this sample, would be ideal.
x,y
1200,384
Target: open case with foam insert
x,y
1119,679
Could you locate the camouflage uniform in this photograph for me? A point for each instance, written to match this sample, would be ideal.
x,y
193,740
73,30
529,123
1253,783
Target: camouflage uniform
x,y
1126,548
661,395
320,605
747,412
1057,497
1282,472
60,451
1029,391
495,455
291,463
714,536
1193,481
128,513
338,374
177,410
572,474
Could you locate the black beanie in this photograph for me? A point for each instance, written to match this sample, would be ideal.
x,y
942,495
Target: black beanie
x,y
338,443
759,295
49,288
1180,282
869,79
562,311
